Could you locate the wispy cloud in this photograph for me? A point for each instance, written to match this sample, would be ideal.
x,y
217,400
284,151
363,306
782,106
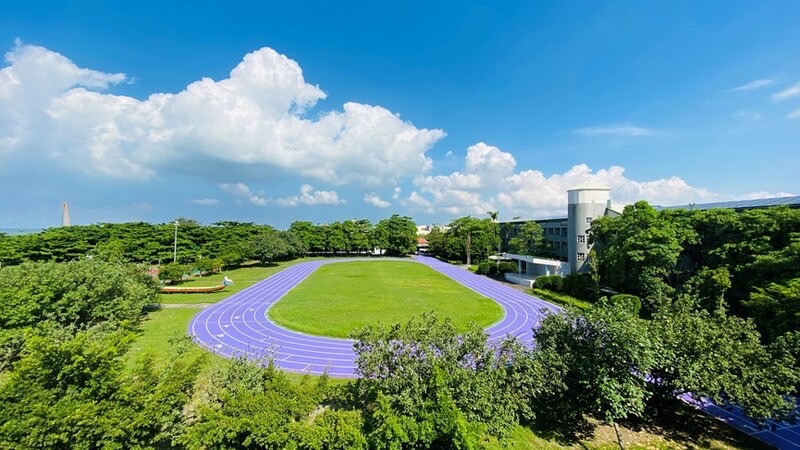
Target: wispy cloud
x,y
794,114
787,93
614,129
206,201
753,85
747,115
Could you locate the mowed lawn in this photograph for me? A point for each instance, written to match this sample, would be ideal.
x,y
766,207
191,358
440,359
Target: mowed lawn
x,y
158,329
339,298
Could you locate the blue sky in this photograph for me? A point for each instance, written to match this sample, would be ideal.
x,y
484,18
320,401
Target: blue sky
x,y
323,111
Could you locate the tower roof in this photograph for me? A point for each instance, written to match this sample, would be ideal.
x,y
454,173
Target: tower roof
x,y
590,186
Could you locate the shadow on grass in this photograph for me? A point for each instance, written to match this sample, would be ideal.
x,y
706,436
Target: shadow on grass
x,y
669,418
151,307
564,432
677,421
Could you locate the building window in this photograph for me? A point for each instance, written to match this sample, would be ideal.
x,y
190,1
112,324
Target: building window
x,y
581,238
549,231
589,220
581,256
564,231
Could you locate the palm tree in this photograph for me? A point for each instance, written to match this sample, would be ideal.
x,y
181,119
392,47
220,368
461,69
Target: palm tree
x,y
493,215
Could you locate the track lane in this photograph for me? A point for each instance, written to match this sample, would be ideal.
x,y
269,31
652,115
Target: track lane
x,y
239,325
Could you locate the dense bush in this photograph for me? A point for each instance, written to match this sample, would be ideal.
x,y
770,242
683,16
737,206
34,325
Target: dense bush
x,y
486,268
507,267
631,303
245,405
75,295
553,283
173,272
426,386
580,285
494,269
71,391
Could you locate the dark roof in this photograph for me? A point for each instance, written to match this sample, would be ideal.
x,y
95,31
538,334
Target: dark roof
x,y
793,202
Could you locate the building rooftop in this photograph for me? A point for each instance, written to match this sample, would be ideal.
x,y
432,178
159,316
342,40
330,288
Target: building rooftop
x,y
793,202
589,185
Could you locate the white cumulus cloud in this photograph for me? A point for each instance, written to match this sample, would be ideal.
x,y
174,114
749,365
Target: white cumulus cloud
x,y
242,190
308,196
258,116
375,200
489,183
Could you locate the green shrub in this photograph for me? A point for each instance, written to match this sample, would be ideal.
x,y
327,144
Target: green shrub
x,y
506,267
580,285
554,283
630,302
172,272
493,269
485,268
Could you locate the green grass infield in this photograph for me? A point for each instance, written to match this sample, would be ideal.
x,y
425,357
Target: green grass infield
x,y
339,298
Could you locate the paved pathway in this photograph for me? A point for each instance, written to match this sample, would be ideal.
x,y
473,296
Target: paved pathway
x,y
238,326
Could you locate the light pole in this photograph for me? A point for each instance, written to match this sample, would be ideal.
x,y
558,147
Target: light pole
x,y
175,244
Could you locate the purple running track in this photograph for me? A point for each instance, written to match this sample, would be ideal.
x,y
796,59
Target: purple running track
x,y
239,326
781,435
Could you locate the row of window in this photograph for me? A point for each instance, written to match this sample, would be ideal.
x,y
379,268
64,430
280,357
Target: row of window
x,y
556,231
581,240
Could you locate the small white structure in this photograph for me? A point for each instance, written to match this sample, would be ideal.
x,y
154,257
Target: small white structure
x,y
530,268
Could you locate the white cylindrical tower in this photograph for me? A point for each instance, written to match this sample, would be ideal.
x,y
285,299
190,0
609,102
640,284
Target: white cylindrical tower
x,y
584,204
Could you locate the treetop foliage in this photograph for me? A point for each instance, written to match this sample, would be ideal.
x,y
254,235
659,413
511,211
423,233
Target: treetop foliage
x,y
225,243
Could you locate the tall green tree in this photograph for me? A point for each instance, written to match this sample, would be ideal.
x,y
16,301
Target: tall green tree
x,y
720,357
639,252
269,245
530,240
70,391
400,234
426,386
601,358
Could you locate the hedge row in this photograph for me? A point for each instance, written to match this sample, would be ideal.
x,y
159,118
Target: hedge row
x,y
496,269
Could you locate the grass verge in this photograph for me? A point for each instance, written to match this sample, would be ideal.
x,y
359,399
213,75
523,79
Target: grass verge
x,y
339,298
562,299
